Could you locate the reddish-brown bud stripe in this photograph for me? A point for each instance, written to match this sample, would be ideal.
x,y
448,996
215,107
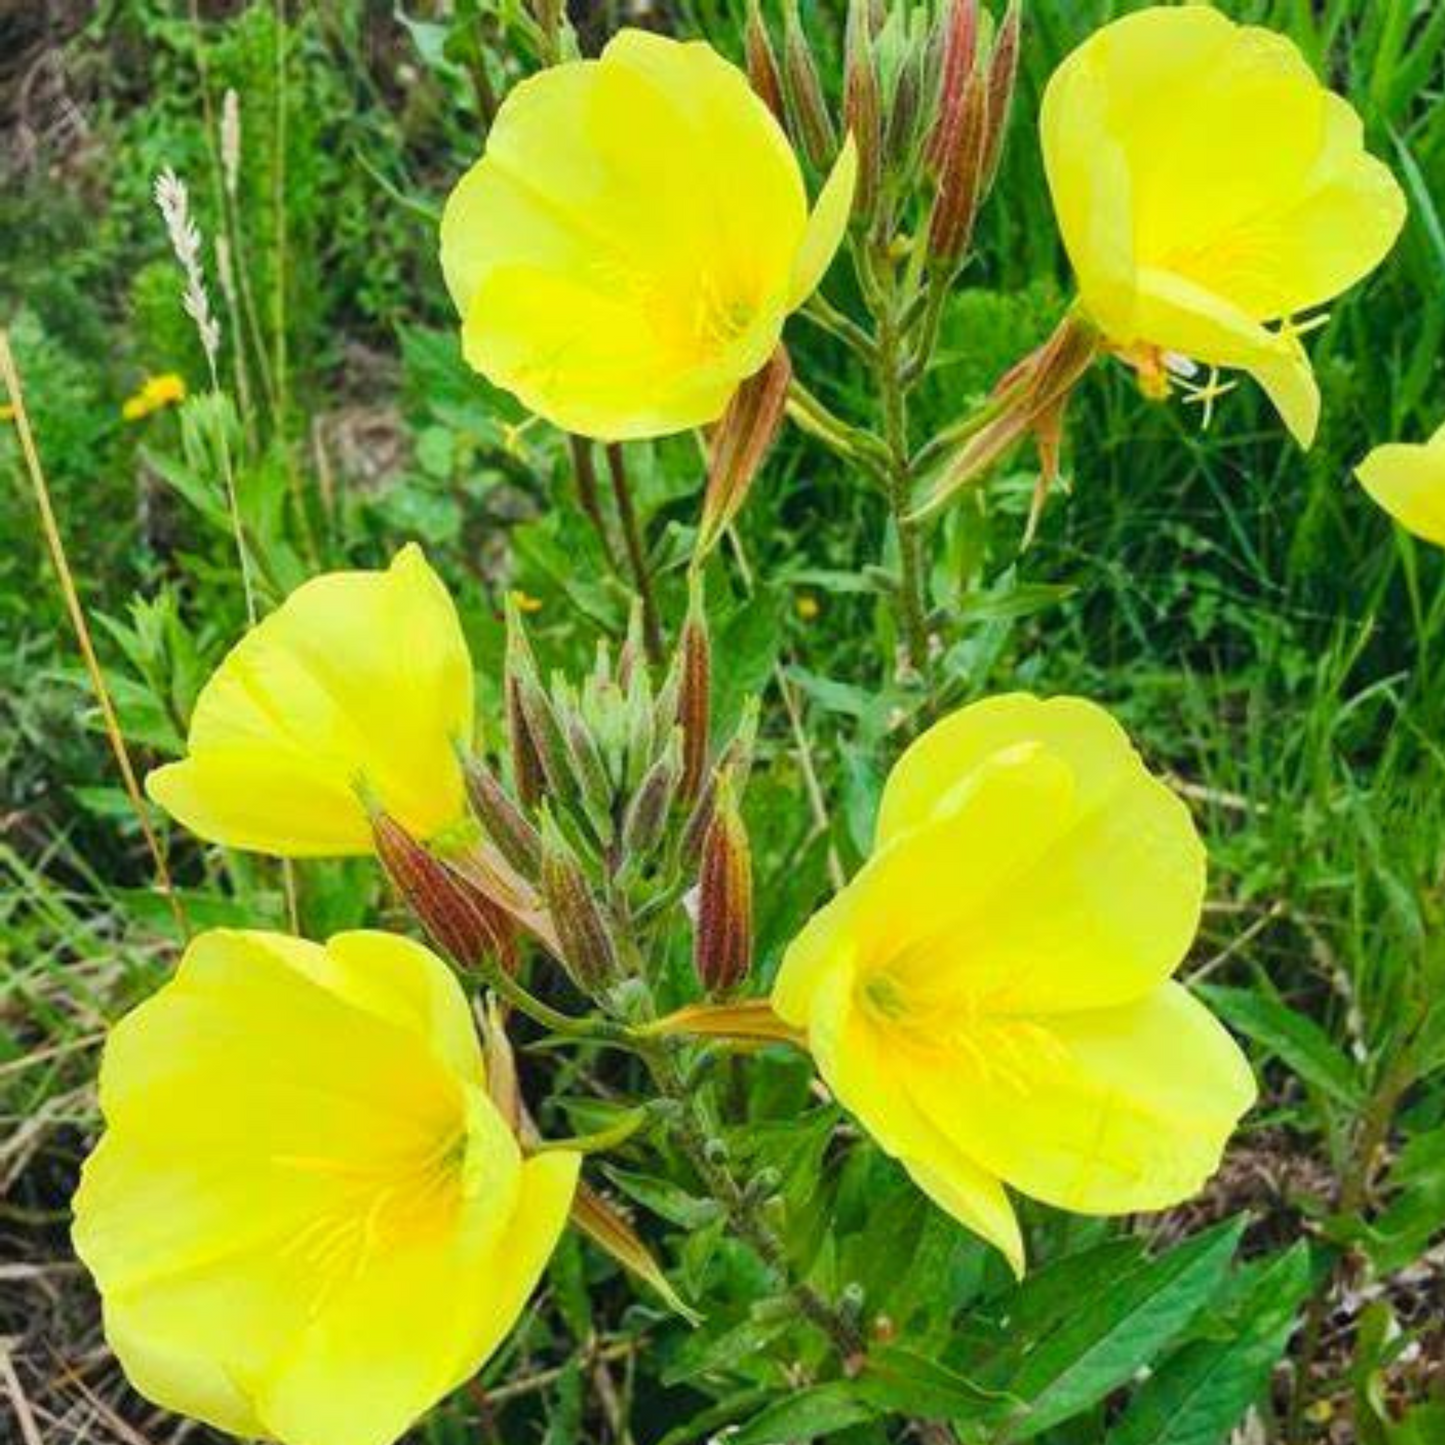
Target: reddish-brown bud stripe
x,y
1002,76
960,56
863,107
583,937
459,919
694,696
803,91
762,63
955,209
723,951
739,444
502,820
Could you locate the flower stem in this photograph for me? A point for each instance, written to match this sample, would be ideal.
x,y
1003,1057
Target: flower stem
x,y
893,392
636,553
745,1213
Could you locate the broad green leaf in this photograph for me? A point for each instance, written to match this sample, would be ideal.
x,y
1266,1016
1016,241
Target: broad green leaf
x,y
1297,1039
1200,1392
818,1410
670,1202
1123,1328
912,1384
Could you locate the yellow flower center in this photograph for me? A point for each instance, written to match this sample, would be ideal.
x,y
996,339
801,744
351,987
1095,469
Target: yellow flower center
x,y
390,1200
948,1020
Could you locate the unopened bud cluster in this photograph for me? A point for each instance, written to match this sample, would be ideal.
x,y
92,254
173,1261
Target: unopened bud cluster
x,y
611,800
926,98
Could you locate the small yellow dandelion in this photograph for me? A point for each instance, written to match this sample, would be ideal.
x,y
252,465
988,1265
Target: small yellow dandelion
x,y
807,606
157,392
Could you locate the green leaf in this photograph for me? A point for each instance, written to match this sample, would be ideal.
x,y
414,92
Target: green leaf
x,y
668,1201
1199,1393
1125,1326
818,1410
911,1384
1298,1040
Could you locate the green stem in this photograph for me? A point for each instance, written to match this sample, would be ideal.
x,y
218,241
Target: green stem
x,y
893,388
744,1212
853,445
554,1020
636,553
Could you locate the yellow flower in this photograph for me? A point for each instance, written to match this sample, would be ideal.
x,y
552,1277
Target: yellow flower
x,y
359,683
991,994
628,248
307,1219
158,391
1408,481
807,606
1207,184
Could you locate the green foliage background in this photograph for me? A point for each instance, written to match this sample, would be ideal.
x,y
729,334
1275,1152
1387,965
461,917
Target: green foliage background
x,y
1271,640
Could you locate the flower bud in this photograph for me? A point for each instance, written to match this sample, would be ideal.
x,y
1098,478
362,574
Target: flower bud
x,y
911,83
736,761
960,179
739,444
1002,74
695,693
958,40
811,123
762,63
647,813
538,757
502,820
723,945
582,932
587,768
460,920
863,106
608,1228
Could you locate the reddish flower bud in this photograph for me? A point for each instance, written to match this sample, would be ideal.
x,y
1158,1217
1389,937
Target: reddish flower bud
x,y
583,936
863,106
1002,75
694,693
958,39
502,820
466,925
762,63
723,946
739,443
811,123
960,179
646,817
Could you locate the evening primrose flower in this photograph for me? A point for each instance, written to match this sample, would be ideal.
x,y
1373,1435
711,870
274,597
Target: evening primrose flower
x,y
628,248
157,392
307,1220
358,687
991,994
1207,185
1408,481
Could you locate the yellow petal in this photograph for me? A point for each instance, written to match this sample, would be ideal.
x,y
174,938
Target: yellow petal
x,y
306,1219
1106,1111
1055,874
1180,316
1205,182
860,1065
624,253
358,678
932,767
1408,481
827,225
